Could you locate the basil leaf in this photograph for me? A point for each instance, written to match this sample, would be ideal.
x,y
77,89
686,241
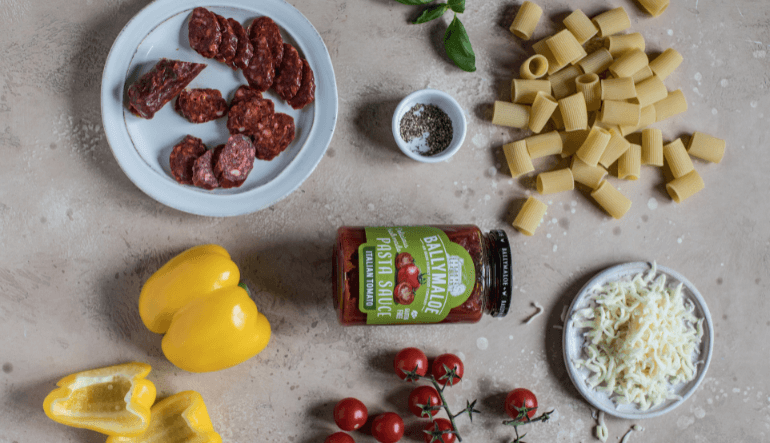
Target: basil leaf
x,y
431,13
414,2
457,45
457,6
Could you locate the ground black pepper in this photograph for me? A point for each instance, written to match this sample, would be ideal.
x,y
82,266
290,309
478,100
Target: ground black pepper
x,y
430,120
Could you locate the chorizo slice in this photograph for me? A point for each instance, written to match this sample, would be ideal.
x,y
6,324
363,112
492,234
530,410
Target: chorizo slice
x,y
204,32
306,92
245,115
275,132
201,105
164,82
245,49
236,159
183,157
289,76
203,172
261,71
245,93
229,44
265,27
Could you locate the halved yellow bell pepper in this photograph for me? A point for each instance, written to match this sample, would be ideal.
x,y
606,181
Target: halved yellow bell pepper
x,y
181,418
115,400
210,322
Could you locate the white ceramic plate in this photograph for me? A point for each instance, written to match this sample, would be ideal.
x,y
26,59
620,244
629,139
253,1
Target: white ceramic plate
x,y
142,147
573,342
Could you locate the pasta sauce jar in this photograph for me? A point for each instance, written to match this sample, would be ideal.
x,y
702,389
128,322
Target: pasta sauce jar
x,y
420,274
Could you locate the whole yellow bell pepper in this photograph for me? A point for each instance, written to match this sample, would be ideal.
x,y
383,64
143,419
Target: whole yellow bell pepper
x,y
115,400
210,322
181,418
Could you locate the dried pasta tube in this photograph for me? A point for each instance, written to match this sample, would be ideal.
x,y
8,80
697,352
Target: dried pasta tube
x,y
534,67
563,82
616,147
629,63
558,121
552,182
652,147
517,157
565,47
618,88
574,112
524,91
646,118
510,114
580,26
542,109
673,104
654,7
618,44
650,91
642,74
591,88
630,163
596,61
620,113
588,175
685,186
526,19
664,64
677,158
611,22
706,147
530,216
541,47
571,141
544,144
609,198
593,147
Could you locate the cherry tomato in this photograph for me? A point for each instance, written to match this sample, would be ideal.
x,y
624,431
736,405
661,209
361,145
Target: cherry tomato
x,y
520,398
404,259
423,396
403,294
409,359
450,361
350,414
410,274
339,437
440,424
388,427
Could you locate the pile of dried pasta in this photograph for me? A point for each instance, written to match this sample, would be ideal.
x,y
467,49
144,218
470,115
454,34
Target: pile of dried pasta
x,y
593,101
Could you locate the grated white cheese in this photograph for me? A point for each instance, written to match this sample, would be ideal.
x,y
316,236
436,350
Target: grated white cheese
x,y
539,311
601,428
642,338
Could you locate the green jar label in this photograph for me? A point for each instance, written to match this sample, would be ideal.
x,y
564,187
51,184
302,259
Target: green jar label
x,y
412,274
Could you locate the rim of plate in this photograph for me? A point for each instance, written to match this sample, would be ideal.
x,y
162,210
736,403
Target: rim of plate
x,y
572,342
189,199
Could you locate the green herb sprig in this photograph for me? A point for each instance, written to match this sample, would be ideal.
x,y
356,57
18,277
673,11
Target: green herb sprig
x,y
457,44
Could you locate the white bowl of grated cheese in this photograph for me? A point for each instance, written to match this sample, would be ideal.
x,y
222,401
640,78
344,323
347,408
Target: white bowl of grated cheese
x,y
638,340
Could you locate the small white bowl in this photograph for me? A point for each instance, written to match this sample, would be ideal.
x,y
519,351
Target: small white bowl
x,y
447,104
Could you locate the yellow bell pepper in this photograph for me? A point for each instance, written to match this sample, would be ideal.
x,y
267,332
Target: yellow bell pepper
x,y
210,322
181,418
115,400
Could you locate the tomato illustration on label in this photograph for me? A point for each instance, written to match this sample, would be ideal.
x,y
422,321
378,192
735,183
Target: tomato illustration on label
x,y
403,294
410,274
404,259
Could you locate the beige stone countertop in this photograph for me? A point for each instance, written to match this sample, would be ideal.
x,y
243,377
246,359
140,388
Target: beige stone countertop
x,y
79,238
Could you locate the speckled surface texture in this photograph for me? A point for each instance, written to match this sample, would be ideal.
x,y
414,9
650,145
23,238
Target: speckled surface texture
x,y
79,239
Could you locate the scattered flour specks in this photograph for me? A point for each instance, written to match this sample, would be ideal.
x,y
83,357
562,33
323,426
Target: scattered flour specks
x,y
698,77
670,32
548,236
724,83
370,206
479,140
487,197
759,54
652,204
754,104
684,422
679,240
482,343
697,91
510,337
699,412
736,390
555,247
492,171
714,111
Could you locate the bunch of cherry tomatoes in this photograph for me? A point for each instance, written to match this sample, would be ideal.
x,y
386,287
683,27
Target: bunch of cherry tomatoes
x,y
424,401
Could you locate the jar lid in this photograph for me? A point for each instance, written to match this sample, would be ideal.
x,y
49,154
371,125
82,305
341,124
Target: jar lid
x,y
502,273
